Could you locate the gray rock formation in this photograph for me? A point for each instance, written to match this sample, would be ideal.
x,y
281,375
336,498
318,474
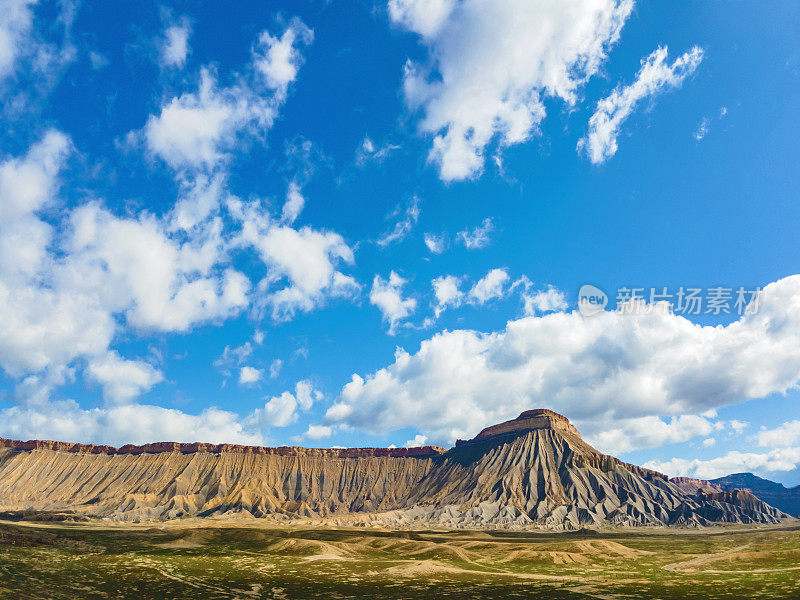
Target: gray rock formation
x,y
532,471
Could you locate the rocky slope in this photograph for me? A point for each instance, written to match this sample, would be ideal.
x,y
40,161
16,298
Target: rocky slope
x,y
775,494
531,471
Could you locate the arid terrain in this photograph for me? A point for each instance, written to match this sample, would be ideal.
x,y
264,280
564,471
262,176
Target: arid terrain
x,y
526,509
193,560
534,471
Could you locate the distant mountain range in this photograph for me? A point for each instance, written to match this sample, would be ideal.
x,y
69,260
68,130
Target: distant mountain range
x,y
774,494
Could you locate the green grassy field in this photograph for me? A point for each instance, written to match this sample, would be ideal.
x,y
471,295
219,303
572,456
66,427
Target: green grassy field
x,y
87,561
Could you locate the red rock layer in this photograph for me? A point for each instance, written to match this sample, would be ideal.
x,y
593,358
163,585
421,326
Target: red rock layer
x,y
189,448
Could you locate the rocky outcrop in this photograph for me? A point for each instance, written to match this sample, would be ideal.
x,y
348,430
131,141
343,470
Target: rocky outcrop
x,y
776,494
525,476
692,486
190,448
539,418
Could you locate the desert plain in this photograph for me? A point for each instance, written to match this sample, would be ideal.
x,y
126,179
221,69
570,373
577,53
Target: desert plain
x,y
250,559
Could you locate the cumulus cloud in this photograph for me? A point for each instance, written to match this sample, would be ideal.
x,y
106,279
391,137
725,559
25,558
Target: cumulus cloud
x,y
195,129
302,264
490,286
624,435
294,203
280,411
249,375
35,54
419,440
198,132
778,459
600,371
123,380
387,295
143,423
278,59
174,47
15,28
477,238
317,432
72,279
158,281
787,434
128,423
655,76
541,301
492,63
738,426
447,291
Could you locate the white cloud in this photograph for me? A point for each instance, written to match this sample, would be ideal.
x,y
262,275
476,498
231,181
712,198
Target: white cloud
x,y
624,435
174,47
157,281
436,243
248,375
709,442
387,295
447,292
490,286
779,459
368,152
655,76
306,394
302,264
702,129
98,61
738,426
599,371
15,27
67,287
275,368
277,59
195,129
543,301
280,411
294,203
425,17
35,48
42,326
128,423
478,237
419,440
198,132
123,380
787,434
405,223
492,63
317,432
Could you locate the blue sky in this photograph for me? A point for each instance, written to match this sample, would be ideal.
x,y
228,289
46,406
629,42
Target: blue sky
x,y
365,224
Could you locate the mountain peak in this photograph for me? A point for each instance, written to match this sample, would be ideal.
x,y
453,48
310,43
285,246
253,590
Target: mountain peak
x,y
537,418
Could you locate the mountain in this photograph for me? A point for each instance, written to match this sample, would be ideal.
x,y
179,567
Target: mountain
x,y
775,494
534,470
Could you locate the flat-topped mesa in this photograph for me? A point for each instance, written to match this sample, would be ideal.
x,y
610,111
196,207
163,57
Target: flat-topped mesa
x,y
194,447
539,418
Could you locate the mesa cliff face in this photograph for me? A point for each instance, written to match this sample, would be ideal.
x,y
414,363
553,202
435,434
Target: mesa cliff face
x,y
532,471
